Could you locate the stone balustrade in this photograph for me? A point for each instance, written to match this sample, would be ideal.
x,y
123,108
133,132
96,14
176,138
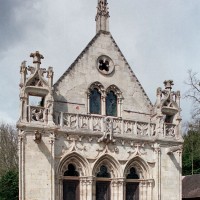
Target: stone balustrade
x,y
93,123
102,124
36,114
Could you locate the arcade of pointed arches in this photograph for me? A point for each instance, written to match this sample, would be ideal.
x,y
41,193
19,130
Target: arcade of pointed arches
x,y
104,180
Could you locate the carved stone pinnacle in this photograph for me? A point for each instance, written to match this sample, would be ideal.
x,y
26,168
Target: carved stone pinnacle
x,y
37,57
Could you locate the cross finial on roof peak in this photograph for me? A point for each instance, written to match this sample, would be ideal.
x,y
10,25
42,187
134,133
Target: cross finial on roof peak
x,y
102,17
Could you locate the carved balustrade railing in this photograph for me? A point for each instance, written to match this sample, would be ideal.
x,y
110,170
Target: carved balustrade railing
x,y
36,114
169,130
116,126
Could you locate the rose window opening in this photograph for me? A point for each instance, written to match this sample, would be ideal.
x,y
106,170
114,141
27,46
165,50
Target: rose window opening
x,y
105,65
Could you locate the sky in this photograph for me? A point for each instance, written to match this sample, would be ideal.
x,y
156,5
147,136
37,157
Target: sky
x,y
159,38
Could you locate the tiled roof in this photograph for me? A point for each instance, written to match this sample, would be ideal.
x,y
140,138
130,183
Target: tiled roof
x,y
191,186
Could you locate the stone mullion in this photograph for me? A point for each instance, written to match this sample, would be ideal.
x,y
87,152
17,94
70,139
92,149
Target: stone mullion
x,y
117,189
119,107
113,191
83,188
141,191
90,184
103,105
121,183
88,103
86,188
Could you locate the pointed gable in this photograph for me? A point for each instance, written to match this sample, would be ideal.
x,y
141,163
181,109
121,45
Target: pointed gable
x,y
73,85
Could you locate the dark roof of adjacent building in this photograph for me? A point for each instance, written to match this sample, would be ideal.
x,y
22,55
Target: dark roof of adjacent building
x,y
191,186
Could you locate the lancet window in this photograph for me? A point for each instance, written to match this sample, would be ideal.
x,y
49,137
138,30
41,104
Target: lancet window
x,y
71,184
103,184
96,91
132,185
95,101
111,104
113,101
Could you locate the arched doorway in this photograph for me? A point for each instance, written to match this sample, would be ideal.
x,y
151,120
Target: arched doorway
x,y
71,184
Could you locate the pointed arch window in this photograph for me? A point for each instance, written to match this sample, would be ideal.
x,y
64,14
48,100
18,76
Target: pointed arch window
x,y
71,184
95,93
132,185
103,184
111,104
95,101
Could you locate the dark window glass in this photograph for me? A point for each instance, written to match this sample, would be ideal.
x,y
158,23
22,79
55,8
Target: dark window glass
x,y
70,190
71,171
95,102
132,174
111,104
132,191
102,190
103,172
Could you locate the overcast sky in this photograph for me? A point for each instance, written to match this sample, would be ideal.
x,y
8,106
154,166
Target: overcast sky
x,y
159,38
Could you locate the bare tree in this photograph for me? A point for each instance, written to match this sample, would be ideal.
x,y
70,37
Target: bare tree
x,y
193,93
8,148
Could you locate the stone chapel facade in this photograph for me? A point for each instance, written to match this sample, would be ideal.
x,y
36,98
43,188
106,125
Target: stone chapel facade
x,y
95,135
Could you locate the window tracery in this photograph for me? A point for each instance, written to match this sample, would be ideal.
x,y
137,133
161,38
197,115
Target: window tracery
x,y
105,65
104,102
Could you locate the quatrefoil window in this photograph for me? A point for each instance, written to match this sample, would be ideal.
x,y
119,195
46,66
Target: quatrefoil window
x,y
105,65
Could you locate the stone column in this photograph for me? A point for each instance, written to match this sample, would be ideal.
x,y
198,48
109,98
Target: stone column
x,y
103,104
180,174
117,189
157,154
90,186
52,143
21,153
149,190
113,190
86,188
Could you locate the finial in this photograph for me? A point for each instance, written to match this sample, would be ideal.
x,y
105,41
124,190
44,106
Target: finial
x,y
168,84
102,17
37,57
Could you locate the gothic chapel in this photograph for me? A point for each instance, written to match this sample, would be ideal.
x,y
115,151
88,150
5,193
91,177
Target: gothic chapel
x,y
94,134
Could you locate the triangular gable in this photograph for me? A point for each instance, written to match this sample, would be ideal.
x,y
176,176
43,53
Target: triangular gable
x,y
87,48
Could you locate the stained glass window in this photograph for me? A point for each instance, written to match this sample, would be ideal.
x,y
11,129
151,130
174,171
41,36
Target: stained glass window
x,y
95,102
111,104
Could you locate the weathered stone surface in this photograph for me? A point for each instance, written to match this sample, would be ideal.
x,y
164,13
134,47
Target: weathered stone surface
x,y
62,131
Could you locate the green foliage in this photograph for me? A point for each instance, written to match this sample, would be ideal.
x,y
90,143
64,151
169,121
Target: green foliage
x,y
8,148
191,153
9,186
